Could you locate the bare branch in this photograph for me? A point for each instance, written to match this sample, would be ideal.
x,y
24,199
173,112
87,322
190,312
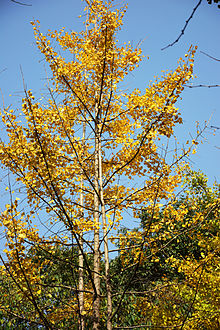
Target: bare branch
x,y
185,26
21,3
201,85
214,58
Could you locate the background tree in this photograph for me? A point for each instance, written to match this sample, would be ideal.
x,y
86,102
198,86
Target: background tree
x,y
177,283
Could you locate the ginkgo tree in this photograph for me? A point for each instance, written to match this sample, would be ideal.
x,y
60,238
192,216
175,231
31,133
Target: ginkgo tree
x,y
79,153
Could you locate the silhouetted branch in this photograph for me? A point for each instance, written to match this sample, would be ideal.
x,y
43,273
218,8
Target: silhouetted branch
x,y
20,3
195,86
185,26
214,58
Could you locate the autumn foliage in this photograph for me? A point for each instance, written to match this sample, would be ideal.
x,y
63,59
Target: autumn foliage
x,y
83,155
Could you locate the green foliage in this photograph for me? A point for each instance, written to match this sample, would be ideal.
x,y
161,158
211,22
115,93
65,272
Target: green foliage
x,y
176,281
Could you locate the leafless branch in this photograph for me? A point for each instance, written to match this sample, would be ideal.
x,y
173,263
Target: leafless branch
x,y
21,3
201,85
185,26
214,58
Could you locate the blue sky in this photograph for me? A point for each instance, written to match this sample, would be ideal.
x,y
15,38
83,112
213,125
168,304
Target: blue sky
x,y
157,23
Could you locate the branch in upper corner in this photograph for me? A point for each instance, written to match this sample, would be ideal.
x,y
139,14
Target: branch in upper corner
x,y
208,86
20,3
214,58
185,26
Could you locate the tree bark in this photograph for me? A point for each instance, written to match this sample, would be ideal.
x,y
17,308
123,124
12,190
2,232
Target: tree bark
x,y
105,239
96,302
81,287
81,273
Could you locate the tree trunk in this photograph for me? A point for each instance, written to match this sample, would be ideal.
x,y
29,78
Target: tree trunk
x,y
105,239
81,287
96,303
81,273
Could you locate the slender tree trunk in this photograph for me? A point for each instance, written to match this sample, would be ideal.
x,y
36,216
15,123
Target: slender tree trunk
x,y
96,303
105,238
81,287
81,273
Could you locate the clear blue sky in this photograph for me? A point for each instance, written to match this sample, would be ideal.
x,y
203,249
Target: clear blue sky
x,y
157,23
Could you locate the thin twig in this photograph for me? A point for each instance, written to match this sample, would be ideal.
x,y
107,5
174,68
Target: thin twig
x,y
185,26
201,85
214,58
21,3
